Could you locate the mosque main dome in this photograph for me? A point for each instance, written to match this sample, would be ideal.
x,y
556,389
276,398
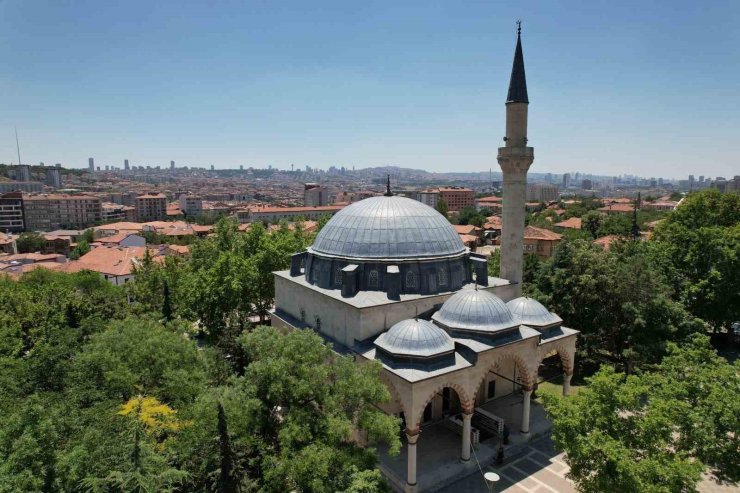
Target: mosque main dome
x,y
393,228
391,244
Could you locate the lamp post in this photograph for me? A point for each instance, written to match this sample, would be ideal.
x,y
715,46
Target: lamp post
x,y
491,480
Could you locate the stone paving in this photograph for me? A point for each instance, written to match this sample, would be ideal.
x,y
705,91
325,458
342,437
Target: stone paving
x,y
542,470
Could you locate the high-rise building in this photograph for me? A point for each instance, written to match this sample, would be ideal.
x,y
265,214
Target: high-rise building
x,y
589,185
314,195
515,159
542,192
54,178
91,164
566,180
11,212
172,165
22,172
125,165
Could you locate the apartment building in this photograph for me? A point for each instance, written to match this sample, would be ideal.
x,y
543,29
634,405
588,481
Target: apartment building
x,y
273,214
118,212
457,198
542,192
428,197
151,207
11,212
21,186
47,212
314,195
191,205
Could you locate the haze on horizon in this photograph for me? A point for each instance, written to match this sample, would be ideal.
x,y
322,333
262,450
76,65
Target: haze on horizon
x,y
645,88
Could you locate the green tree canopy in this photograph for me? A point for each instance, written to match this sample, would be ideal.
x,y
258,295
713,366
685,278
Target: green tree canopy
x,y
654,432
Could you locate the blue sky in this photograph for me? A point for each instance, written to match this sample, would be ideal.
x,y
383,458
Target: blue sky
x,y
649,88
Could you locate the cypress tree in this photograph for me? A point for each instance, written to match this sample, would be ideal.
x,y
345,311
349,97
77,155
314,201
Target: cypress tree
x,y
226,483
166,303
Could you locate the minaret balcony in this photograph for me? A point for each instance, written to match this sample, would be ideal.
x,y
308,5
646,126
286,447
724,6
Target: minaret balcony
x,y
516,152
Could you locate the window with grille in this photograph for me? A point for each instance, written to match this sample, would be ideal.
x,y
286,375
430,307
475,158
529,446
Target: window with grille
x,y
410,280
442,277
372,280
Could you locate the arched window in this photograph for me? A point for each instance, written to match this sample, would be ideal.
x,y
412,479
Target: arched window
x,y
442,276
410,280
372,279
338,277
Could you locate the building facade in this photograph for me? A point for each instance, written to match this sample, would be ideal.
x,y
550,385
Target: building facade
x,y
314,195
151,207
47,212
457,198
11,212
191,205
542,192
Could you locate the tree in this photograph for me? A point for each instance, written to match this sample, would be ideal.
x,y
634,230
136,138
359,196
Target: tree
x,y
619,299
442,207
701,245
469,215
147,469
81,249
591,222
30,242
166,303
226,483
655,432
308,403
494,263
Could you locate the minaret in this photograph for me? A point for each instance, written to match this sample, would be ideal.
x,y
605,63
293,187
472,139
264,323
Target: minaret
x,y
515,159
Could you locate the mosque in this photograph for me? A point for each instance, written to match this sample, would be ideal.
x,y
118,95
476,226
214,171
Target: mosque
x,y
388,279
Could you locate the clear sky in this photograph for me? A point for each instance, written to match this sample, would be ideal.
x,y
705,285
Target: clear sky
x,y
640,87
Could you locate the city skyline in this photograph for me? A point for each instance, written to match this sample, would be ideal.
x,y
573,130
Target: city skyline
x,y
635,91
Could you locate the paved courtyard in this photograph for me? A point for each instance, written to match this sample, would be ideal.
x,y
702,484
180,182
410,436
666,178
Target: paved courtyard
x,y
542,470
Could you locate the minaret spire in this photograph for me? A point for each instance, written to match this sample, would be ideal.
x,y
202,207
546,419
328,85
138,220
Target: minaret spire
x,y
518,82
388,192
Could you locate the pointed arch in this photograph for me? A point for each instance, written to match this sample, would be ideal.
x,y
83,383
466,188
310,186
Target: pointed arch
x,y
567,357
465,402
525,374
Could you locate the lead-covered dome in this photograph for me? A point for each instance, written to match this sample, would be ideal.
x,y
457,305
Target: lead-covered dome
x,y
531,312
419,338
475,310
393,228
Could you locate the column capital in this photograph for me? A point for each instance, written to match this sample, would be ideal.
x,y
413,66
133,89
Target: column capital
x,y
412,435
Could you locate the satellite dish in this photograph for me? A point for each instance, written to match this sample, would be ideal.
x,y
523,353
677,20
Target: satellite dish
x,y
491,477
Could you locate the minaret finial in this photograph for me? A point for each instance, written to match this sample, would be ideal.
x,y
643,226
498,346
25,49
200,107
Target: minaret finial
x,y
388,192
518,28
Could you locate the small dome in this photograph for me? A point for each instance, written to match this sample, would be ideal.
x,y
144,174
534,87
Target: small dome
x,y
476,310
415,338
394,228
531,312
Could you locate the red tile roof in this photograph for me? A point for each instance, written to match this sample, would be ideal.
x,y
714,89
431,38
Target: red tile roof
x,y
533,233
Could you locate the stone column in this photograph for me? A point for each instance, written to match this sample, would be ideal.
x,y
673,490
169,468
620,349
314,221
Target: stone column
x,y
465,454
566,383
525,411
411,437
